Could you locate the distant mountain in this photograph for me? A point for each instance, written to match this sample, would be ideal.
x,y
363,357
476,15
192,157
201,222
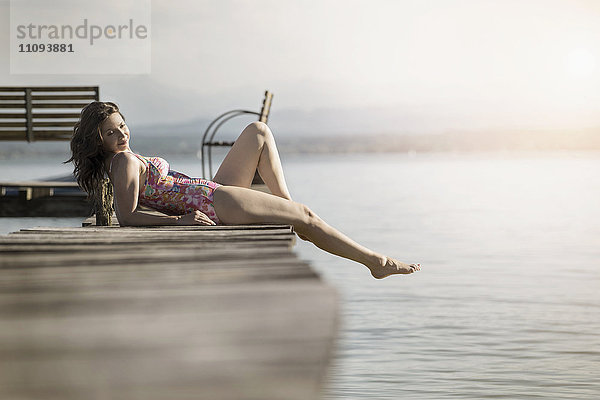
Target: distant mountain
x,y
188,128
294,133
171,145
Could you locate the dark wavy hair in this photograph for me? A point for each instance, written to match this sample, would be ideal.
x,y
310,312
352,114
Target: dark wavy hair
x,y
87,153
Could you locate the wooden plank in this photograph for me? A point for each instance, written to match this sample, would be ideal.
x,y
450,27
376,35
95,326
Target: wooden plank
x,y
199,231
59,105
74,241
91,247
58,136
13,132
158,228
104,247
37,124
11,89
12,105
12,124
91,96
39,184
50,88
238,299
33,265
20,283
108,238
157,264
13,135
12,97
13,115
63,138
201,342
157,237
46,300
152,230
224,276
64,88
46,132
255,379
49,115
52,134
129,257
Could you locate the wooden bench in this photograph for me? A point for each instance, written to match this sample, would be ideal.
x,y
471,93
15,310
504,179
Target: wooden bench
x,y
42,112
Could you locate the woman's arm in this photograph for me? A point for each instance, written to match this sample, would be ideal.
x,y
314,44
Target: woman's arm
x,y
126,184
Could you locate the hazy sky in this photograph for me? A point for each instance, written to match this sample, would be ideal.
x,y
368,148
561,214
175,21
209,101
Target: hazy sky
x,y
403,65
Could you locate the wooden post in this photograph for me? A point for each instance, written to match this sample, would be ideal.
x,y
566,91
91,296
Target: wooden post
x,y
263,117
28,115
266,108
24,194
104,204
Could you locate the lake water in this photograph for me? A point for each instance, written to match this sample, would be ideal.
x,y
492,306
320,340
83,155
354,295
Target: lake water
x,y
507,305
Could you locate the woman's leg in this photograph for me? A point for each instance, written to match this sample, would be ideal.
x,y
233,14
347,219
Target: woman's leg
x,y
236,205
254,149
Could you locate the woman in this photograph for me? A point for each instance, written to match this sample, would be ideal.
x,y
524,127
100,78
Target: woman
x,y
100,145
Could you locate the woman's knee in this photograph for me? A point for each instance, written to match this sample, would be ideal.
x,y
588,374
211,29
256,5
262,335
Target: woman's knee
x,y
308,218
258,129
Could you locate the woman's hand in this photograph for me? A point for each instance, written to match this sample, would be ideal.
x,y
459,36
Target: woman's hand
x,y
195,218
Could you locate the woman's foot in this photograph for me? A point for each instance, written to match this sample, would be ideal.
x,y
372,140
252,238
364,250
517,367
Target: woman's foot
x,y
389,266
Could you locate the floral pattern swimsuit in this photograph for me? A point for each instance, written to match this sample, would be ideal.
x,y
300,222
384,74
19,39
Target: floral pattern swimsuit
x,y
174,193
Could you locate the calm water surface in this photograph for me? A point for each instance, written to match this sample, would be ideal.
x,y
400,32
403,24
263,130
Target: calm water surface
x,y
508,302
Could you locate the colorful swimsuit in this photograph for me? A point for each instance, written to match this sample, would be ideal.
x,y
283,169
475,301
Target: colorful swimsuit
x,y
174,193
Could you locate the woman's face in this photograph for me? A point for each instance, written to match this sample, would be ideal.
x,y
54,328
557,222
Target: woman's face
x,y
115,134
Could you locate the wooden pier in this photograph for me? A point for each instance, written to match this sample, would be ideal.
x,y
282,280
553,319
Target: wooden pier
x,y
225,312
43,199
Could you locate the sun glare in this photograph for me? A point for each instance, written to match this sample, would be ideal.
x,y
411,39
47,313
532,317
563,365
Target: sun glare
x,y
581,63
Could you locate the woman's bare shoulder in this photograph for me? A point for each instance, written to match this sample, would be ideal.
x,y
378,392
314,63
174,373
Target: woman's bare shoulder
x,y
125,159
